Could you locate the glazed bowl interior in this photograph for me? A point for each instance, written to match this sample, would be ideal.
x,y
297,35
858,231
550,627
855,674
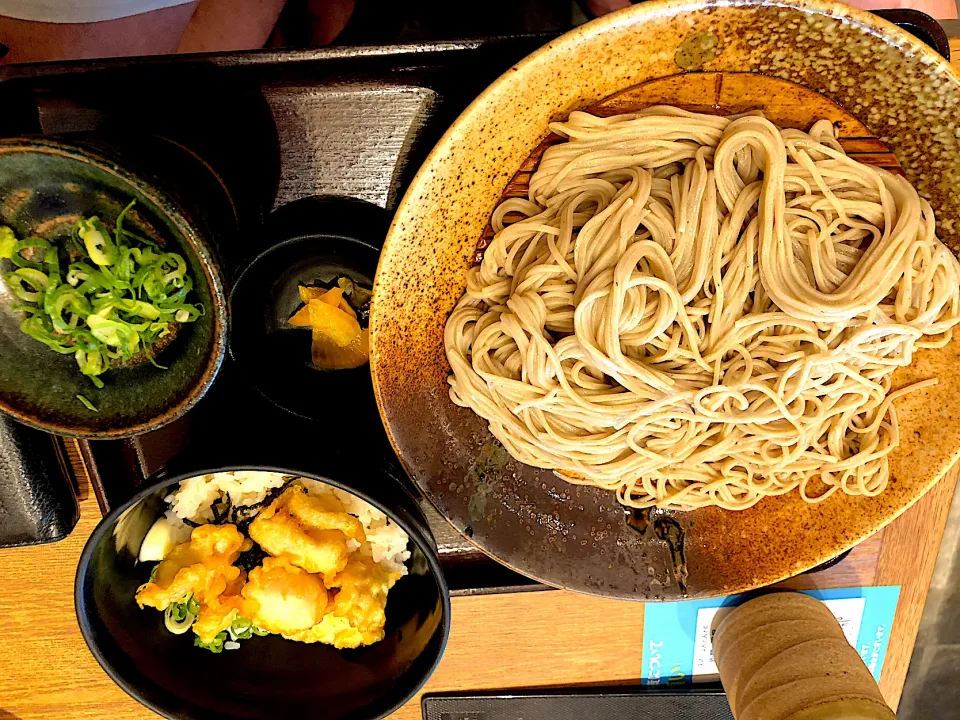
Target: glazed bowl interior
x,y
576,536
45,186
268,677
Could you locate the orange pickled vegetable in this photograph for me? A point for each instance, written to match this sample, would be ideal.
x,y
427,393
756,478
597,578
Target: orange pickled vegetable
x,y
301,318
338,340
327,355
345,306
335,298
310,293
333,322
332,297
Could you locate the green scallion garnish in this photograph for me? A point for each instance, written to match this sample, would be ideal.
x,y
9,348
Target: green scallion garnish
x,y
102,296
241,629
178,617
215,646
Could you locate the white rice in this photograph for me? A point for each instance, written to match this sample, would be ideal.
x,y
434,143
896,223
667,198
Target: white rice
x,y
386,542
195,498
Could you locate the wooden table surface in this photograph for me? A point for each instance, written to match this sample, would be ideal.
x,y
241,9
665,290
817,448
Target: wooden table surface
x,y
533,639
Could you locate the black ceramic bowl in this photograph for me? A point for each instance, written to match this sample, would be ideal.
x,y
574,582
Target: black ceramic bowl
x,y
268,677
317,241
45,184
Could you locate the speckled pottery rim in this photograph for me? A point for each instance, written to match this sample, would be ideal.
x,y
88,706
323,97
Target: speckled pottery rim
x,y
575,537
213,277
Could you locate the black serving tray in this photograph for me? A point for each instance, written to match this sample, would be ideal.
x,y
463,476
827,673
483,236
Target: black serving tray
x,y
278,126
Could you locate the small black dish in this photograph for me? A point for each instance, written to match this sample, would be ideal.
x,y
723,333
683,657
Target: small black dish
x,y
317,240
268,677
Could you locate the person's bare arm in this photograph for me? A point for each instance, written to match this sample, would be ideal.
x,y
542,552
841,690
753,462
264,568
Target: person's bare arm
x,y
204,26
220,25
150,33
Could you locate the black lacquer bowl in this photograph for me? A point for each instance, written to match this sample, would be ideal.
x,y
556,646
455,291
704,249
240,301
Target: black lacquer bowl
x,y
45,185
268,677
316,240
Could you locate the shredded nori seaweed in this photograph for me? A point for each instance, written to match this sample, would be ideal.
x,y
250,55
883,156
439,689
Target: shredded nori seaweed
x,y
221,509
251,558
244,515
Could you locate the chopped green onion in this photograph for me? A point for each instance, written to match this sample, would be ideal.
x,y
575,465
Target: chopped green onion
x,y
116,333
177,618
37,248
215,646
241,629
103,295
120,217
122,232
97,242
91,364
87,404
177,611
7,242
138,308
66,298
156,364
259,631
37,281
40,329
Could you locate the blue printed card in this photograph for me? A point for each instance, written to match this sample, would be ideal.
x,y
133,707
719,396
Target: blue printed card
x,y
676,636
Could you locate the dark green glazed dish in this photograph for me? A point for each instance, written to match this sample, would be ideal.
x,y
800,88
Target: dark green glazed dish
x,y
45,185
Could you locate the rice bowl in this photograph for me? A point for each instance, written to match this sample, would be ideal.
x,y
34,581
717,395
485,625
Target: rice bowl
x,y
247,553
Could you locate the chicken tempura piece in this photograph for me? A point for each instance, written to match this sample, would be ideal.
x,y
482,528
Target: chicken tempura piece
x,y
203,568
216,616
283,598
310,532
356,616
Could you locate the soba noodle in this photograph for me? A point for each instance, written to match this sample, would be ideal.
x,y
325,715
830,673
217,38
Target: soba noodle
x,y
694,310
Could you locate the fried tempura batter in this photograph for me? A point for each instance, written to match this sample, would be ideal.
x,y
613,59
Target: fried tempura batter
x,y
311,532
202,567
283,598
316,580
218,615
356,615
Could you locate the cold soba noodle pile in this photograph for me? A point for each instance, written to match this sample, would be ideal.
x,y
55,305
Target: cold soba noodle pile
x,y
695,310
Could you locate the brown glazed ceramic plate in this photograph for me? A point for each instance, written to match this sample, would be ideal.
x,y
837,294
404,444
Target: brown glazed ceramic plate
x,y
881,82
